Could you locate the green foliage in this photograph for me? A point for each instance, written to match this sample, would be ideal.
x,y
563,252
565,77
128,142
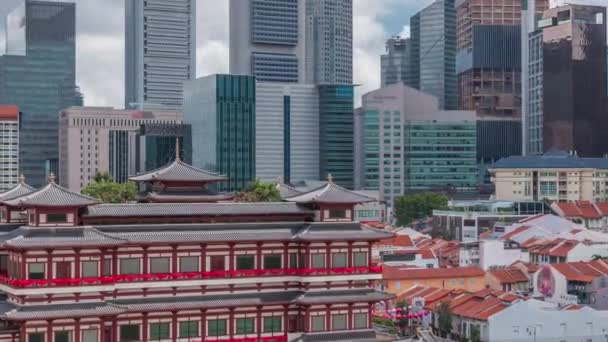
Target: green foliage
x,y
259,191
385,322
598,257
475,334
444,317
106,190
418,206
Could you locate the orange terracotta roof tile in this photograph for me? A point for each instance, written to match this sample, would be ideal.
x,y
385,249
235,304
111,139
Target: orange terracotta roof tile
x,y
509,297
603,207
486,234
397,241
572,307
509,276
528,219
484,315
402,273
563,248
573,274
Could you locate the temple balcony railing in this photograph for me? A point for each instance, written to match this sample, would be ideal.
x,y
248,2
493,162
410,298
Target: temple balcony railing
x,y
172,276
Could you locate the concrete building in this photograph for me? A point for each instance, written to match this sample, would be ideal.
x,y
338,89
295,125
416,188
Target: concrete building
x,y
591,215
37,74
532,90
329,41
9,153
267,39
433,52
554,176
395,64
409,143
102,139
160,52
222,112
287,132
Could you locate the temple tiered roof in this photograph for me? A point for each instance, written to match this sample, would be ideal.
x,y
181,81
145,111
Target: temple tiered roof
x,y
287,191
178,171
19,190
330,193
51,195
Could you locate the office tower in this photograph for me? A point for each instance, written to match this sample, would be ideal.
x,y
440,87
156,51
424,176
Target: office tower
x,y
267,39
287,132
160,52
395,64
102,139
37,74
433,52
574,80
9,153
222,112
497,138
329,41
155,145
532,90
336,135
411,144
358,124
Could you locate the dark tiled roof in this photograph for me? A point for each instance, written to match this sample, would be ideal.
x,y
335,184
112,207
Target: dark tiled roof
x,y
550,160
52,195
331,193
178,171
287,191
354,231
54,311
185,196
24,237
194,209
21,189
340,336
343,296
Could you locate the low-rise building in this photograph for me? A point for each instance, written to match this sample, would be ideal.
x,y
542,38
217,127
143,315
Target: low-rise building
x,y
417,258
397,279
591,215
508,279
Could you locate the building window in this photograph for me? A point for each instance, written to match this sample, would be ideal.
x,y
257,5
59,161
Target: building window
x,y
90,269
360,259
360,321
159,331
63,269
217,263
317,323
293,260
244,326
35,337
245,262
56,218
129,333
159,265
188,329
35,270
89,335
337,214
217,327
338,260
129,266
318,260
272,262
272,324
188,264
107,267
338,322
63,336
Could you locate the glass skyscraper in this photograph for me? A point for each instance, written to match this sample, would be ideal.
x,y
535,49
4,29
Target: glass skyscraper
x,y
37,73
433,56
155,145
395,64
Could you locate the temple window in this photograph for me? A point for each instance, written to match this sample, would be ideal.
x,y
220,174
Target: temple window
x,y
35,270
159,265
35,337
56,218
272,324
3,264
217,263
89,335
338,322
63,269
217,327
293,260
360,321
188,329
63,336
90,269
317,323
338,260
360,259
337,214
272,261
245,325
245,262
129,266
188,264
107,267
318,260
159,331
129,333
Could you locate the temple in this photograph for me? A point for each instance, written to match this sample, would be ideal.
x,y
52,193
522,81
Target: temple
x,y
185,264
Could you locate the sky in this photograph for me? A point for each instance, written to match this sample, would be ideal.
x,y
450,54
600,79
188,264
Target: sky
x,y
100,41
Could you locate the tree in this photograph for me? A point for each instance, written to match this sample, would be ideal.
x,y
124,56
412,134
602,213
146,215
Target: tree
x,y
444,317
402,322
106,190
259,191
418,206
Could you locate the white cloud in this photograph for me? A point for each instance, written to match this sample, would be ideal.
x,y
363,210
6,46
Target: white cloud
x,y
405,33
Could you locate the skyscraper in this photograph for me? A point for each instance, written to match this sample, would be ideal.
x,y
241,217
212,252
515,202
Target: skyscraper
x,y
9,140
395,64
37,74
574,80
267,39
433,52
329,41
160,48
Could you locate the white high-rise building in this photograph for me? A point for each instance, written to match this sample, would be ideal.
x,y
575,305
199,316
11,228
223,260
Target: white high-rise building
x,y
267,39
329,41
9,153
160,47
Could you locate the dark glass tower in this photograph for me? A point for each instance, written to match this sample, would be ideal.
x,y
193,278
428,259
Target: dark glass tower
x,y
38,75
574,64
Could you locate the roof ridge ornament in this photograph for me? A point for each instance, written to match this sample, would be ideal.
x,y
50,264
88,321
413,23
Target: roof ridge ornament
x,y
177,156
52,178
21,179
330,178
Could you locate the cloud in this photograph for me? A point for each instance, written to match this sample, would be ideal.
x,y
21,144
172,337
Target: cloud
x,y
405,33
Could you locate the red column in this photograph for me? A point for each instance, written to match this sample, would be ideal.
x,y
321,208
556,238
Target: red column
x,y
203,325
77,331
307,263
369,315
286,319
231,323
369,254
203,257
145,268
350,317
114,333
307,326
258,256
144,328
102,329
114,262
23,264
258,322
77,263
327,256
231,257
49,264
350,256
49,331
285,255
328,318
174,259
174,327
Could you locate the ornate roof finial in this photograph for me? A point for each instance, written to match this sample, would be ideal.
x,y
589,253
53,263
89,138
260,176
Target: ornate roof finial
x,y
21,179
177,157
279,180
330,178
52,178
